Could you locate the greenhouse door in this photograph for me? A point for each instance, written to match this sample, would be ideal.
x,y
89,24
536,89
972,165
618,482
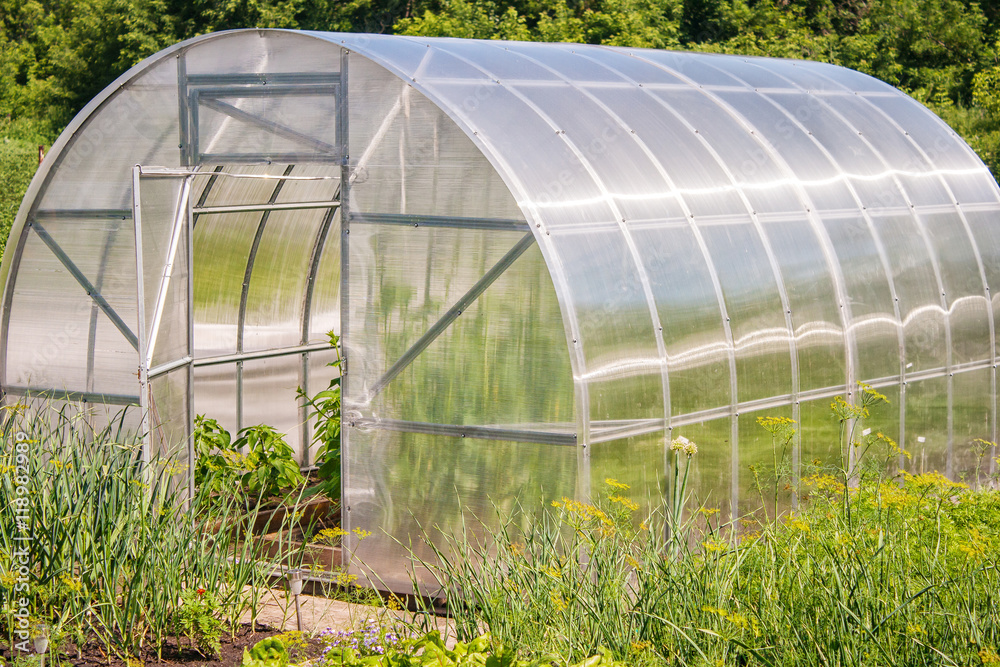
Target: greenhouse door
x,y
163,255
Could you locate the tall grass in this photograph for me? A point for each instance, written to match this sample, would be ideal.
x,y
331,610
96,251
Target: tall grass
x,y
873,568
108,546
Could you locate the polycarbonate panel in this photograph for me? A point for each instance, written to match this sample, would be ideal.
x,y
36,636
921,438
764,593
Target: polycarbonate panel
x,y
287,123
873,327
503,361
325,308
393,150
269,396
925,323
640,463
805,163
104,251
812,298
986,235
278,282
698,350
47,341
215,394
927,437
245,186
221,247
973,412
622,363
137,125
753,304
963,286
408,488
169,416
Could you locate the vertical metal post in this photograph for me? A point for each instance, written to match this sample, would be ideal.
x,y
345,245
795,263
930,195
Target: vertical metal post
x,y
189,256
143,372
345,340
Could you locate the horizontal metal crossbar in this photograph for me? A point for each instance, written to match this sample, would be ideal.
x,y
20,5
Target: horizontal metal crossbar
x,y
49,214
269,158
263,78
266,91
261,354
88,286
500,224
280,206
76,396
466,431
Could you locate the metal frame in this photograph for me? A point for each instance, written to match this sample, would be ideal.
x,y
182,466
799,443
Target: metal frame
x,y
209,91
181,230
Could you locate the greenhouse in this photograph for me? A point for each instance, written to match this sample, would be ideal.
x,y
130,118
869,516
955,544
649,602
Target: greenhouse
x,y
544,262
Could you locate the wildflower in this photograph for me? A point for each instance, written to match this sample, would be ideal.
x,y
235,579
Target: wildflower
x,y
709,511
362,534
201,592
558,602
624,502
797,523
714,546
615,484
643,526
914,629
989,656
682,444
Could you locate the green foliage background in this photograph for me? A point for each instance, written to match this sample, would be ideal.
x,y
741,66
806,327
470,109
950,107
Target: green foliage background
x,y
55,55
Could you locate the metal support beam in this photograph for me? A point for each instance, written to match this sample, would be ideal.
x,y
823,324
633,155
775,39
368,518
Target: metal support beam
x,y
88,286
263,79
438,327
466,431
73,396
282,206
499,224
261,354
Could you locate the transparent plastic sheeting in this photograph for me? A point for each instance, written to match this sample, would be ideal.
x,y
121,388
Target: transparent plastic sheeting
x,y
545,261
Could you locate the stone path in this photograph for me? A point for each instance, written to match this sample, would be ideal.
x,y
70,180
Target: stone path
x,y
319,613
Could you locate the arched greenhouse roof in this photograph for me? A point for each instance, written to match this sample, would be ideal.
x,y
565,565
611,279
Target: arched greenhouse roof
x,y
540,245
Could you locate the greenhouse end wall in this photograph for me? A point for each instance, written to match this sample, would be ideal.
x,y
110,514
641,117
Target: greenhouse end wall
x,y
545,262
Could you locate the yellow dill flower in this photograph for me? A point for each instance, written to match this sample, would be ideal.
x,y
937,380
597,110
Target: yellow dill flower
x,y
633,562
989,656
558,602
709,511
622,500
914,629
615,484
825,483
643,526
714,546
639,647
361,533
552,572
930,480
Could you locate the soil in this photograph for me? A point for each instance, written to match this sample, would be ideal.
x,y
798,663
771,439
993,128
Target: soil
x,y
93,654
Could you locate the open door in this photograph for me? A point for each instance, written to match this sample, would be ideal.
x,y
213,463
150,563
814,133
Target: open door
x,y
163,255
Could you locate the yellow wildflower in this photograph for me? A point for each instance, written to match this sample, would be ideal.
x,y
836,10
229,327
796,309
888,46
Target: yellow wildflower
x,y
622,500
615,484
